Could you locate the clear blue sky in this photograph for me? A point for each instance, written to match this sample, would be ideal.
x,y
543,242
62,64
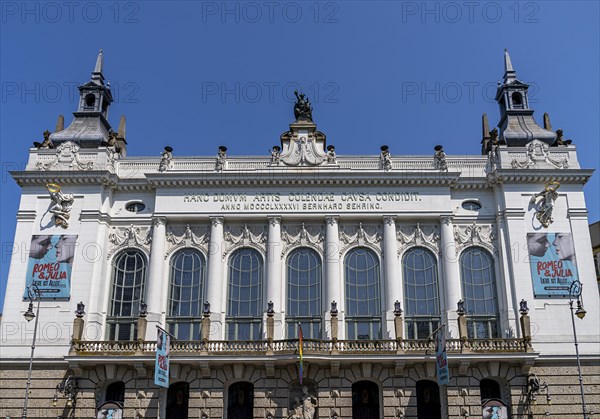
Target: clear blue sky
x,y
195,75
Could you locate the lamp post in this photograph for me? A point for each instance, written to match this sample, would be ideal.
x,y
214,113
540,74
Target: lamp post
x,y
34,294
575,292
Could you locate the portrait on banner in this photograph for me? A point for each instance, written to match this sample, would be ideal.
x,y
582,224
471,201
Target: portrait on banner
x,y
553,263
49,265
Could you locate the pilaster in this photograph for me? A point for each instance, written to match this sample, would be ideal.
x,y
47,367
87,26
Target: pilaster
x,y
214,287
274,279
154,286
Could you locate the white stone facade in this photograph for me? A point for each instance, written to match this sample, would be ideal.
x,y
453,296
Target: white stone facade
x,y
302,199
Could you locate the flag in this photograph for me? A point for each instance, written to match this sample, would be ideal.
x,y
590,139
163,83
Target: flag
x,y
301,373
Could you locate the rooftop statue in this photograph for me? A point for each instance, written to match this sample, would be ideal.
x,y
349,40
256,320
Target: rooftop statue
x,y
302,108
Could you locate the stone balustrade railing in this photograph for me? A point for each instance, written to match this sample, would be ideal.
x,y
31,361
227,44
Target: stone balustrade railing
x,y
309,346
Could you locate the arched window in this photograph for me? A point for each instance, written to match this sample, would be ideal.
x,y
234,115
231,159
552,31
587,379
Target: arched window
x,y
128,291
244,298
186,294
363,298
489,389
479,293
115,392
304,273
517,100
240,401
428,400
365,400
178,397
421,295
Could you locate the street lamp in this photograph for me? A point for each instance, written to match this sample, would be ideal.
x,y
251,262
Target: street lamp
x,y
34,294
575,292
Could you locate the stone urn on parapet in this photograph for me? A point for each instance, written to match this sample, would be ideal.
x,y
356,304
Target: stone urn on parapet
x,y
303,145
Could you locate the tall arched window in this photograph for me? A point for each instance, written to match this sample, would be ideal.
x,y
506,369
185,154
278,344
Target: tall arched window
x,y
304,273
244,297
178,397
186,294
421,295
479,293
128,291
363,298
428,400
240,400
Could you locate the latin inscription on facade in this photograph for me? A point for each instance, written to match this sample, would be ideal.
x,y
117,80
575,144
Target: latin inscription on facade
x,y
302,201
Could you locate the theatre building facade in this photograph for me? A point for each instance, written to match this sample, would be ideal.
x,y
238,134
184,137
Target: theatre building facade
x,y
302,284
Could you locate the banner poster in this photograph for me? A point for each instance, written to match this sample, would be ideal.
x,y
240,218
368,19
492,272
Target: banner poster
x,y
494,409
553,264
161,367
110,410
50,264
441,359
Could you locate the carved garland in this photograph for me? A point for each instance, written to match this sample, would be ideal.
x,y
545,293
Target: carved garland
x,y
426,235
362,235
475,235
120,237
67,152
181,237
304,237
246,236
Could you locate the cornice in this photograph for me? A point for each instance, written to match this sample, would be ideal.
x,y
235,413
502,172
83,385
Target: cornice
x,y
580,176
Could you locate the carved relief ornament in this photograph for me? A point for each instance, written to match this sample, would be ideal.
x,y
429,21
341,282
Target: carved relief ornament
x,y
179,237
311,236
419,235
538,151
483,235
67,154
131,236
361,235
235,237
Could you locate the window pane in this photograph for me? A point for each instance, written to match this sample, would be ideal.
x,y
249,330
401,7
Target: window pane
x,y
421,297
363,294
128,290
244,297
479,292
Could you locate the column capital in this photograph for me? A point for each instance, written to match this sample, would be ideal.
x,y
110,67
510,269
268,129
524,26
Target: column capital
x,y
332,219
447,219
389,219
215,221
159,221
274,220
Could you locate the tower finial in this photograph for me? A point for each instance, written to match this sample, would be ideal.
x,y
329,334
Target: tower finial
x,y
509,73
97,76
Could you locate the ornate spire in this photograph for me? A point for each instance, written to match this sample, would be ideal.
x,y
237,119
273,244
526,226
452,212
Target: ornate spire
x,y
97,76
90,128
510,74
517,126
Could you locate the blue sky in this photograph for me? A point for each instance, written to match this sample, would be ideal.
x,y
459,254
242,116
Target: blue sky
x,y
195,75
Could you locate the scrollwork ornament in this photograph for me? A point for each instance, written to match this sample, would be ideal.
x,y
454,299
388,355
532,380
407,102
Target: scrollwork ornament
x,y
67,154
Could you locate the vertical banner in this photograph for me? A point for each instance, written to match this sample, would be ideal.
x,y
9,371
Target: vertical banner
x,y
161,367
50,264
441,359
553,263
